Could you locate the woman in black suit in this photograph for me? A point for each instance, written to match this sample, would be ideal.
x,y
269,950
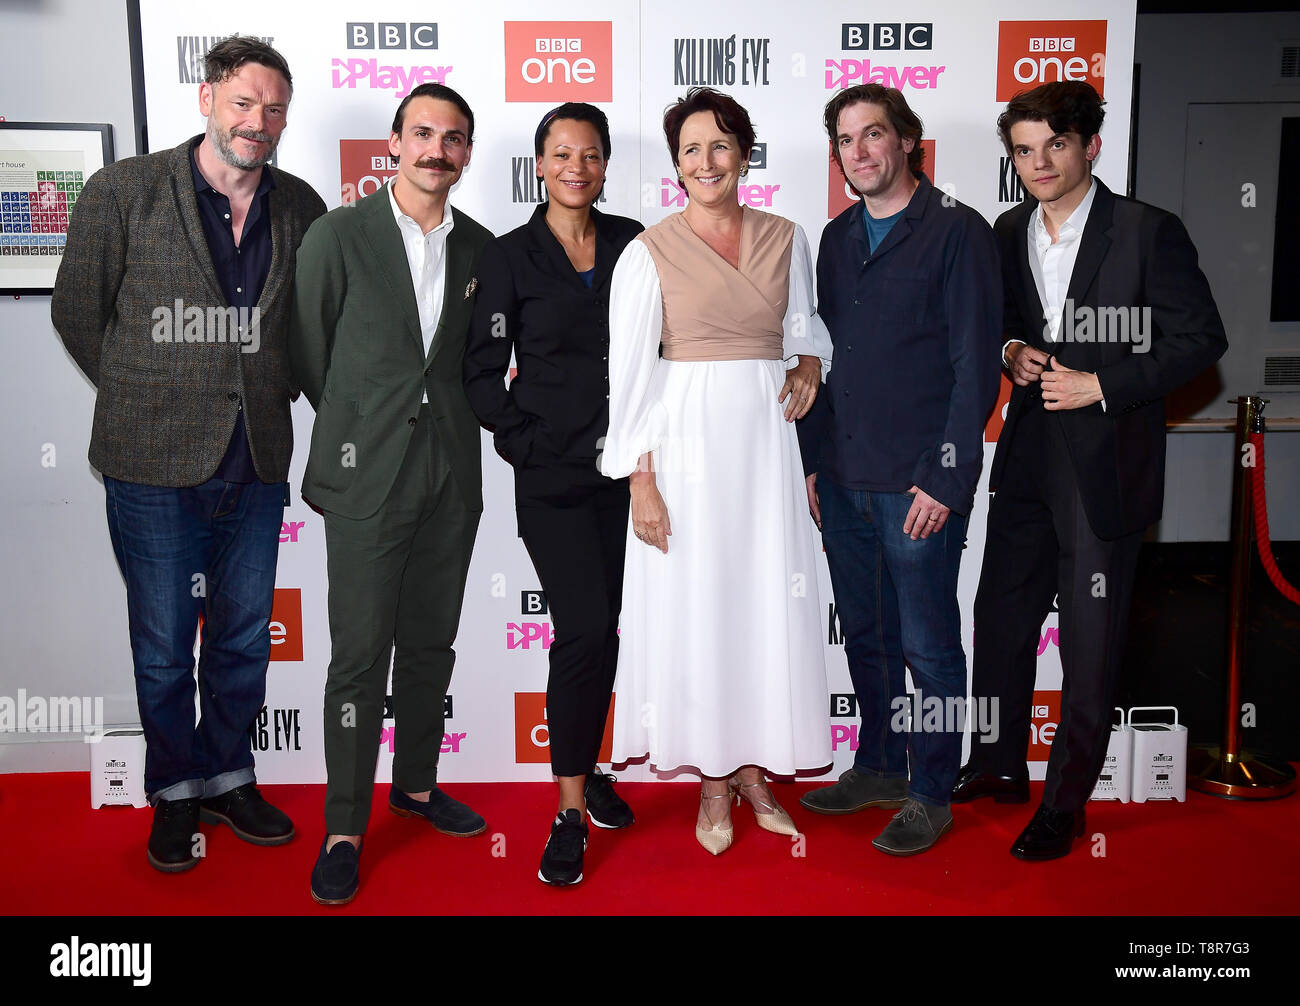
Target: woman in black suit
x,y
543,290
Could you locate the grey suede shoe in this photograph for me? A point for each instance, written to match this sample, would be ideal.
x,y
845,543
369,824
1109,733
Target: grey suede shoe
x,y
855,792
914,829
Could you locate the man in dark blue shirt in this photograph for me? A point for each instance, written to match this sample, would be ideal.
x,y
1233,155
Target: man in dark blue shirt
x,y
170,300
908,284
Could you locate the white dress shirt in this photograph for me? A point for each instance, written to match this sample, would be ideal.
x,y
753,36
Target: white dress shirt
x,y
426,255
1052,263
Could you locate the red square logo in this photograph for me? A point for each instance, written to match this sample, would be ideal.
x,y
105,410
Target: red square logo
x,y
993,428
1031,53
533,736
1044,717
364,167
557,61
286,624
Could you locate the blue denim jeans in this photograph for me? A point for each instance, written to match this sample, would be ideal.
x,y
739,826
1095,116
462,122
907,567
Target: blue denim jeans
x,y
897,603
211,551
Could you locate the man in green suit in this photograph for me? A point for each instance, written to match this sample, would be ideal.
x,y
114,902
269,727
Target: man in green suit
x,y
384,293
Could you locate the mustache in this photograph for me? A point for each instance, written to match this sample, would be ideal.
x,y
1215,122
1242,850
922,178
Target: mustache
x,y
249,134
440,163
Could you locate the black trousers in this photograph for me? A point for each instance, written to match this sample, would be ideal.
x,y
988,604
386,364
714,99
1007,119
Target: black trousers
x,y
1039,543
573,521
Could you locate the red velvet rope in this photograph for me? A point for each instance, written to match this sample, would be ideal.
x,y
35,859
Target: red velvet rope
x,y
1262,541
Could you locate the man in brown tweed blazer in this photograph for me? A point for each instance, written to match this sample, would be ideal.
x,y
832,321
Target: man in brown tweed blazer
x,y
173,298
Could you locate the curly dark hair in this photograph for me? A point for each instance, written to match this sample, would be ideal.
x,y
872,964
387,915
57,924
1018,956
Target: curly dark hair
x,y
1067,106
224,59
905,122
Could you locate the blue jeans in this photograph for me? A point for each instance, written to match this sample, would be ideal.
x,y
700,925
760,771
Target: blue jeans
x,y
209,551
897,602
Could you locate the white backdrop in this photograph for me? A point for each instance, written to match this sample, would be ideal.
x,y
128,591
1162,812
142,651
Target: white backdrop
x,y
956,61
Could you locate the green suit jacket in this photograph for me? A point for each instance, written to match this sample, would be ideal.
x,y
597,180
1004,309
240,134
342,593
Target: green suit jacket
x,y
356,352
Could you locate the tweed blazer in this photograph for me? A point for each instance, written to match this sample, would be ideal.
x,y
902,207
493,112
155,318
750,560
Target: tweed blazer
x,y
136,277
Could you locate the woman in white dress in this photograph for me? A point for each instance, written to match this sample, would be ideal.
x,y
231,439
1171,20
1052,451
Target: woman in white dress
x,y
721,665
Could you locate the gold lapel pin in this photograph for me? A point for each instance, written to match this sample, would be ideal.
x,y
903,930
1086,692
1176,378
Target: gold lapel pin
x,y
473,285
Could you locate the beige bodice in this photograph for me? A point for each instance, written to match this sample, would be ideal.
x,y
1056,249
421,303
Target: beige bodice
x,y
712,311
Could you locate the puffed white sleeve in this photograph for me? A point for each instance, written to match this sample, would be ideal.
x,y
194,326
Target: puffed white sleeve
x,y
638,420
805,332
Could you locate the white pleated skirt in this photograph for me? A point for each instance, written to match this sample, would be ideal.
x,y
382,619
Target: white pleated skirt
x,y
721,662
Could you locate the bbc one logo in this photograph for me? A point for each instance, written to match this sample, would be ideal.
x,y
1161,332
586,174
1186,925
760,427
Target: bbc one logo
x,y
884,36
364,167
1031,53
387,36
559,61
533,731
1045,716
190,50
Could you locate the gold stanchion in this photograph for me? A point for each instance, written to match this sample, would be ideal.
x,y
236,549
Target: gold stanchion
x,y
1226,770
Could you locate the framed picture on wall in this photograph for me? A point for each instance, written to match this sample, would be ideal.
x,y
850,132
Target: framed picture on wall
x,y
43,167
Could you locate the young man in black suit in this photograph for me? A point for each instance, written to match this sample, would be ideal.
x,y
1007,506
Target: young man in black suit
x,y
1106,312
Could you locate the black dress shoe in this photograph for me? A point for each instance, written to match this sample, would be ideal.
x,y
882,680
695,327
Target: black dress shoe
x,y
171,839
1049,834
972,784
337,873
249,816
451,817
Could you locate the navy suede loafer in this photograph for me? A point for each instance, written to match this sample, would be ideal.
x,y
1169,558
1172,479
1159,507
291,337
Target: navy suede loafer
x,y
451,817
337,873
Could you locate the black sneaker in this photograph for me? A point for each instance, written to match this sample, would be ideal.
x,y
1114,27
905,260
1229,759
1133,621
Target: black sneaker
x,y
562,857
605,807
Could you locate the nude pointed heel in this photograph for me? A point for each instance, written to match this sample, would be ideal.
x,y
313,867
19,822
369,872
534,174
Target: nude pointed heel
x,y
717,840
771,817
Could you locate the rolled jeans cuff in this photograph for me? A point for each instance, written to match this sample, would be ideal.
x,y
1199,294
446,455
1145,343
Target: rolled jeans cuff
x,y
186,790
227,781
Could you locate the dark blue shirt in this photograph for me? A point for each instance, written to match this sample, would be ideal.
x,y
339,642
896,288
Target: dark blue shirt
x,y
917,328
241,271
587,275
878,227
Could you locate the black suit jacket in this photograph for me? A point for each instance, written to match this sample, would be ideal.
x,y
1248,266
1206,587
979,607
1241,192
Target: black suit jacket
x,y
531,299
1131,256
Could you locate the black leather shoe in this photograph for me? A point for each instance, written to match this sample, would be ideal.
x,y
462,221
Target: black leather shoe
x,y
1049,835
451,817
337,873
171,839
972,784
249,816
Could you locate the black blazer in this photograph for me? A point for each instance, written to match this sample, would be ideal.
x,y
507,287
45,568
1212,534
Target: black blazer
x,y
531,299
1132,256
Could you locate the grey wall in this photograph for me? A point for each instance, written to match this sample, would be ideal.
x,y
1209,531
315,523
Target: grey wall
x,y
1189,62
69,61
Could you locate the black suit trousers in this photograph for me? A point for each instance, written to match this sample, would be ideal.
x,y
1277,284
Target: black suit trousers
x,y
1040,543
573,522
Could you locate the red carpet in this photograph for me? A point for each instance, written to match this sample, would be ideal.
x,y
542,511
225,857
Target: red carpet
x,y
1160,858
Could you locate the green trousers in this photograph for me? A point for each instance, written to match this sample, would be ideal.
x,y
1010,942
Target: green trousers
x,y
395,578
